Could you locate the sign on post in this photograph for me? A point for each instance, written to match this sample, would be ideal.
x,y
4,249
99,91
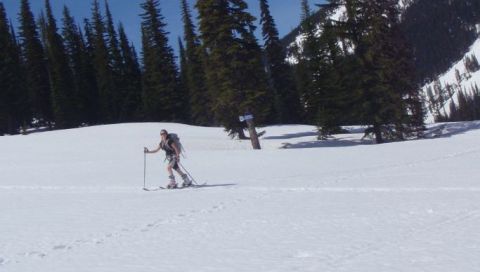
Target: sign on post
x,y
245,118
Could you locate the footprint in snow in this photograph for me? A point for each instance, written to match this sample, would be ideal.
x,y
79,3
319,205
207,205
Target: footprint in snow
x,y
98,241
36,254
2,261
59,247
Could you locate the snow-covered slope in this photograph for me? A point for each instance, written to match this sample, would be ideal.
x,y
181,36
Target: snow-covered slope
x,y
73,201
456,79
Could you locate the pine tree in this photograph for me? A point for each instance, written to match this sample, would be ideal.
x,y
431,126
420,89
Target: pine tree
x,y
194,73
93,98
37,78
388,99
464,109
183,63
13,97
183,78
305,69
331,85
61,77
287,100
83,73
160,87
131,80
102,64
115,63
235,74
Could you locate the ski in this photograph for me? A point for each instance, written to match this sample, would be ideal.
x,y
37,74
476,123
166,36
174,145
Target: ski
x,y
154,189
178,188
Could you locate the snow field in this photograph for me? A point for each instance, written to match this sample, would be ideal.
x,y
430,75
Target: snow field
x,y
72,201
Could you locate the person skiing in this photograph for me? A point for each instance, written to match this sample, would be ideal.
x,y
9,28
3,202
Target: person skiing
x,y
172,152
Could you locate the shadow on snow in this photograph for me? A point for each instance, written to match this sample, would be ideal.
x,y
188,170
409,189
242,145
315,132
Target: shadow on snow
x,y
440,130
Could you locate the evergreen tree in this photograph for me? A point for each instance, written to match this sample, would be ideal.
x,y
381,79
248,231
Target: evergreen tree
x,y
183,63
115,62
102,64
33,55
305,69
287,101
80,60
161,99
64,106
131,80
194,73
13,96
183,79
42,27
332,83
233,61
387,100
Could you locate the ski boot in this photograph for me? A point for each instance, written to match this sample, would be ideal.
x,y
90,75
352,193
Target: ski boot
x,y
172,184
186,181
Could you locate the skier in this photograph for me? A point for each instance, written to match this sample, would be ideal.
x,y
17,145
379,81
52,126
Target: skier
x,y
172,152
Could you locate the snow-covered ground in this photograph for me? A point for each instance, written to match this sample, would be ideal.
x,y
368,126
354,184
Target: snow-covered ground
x,y
73,201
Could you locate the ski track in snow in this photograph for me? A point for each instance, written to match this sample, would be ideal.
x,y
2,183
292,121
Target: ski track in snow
x,y
442,226
334,261
104,238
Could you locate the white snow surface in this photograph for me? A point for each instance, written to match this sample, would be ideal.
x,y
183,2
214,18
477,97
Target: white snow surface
x,y
72,200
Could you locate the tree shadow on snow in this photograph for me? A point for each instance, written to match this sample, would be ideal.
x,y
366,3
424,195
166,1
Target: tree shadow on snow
x,y
292,136
441,130
335,142
444,130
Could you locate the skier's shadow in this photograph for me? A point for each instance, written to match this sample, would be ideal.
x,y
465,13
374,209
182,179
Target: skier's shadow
x,y
215,185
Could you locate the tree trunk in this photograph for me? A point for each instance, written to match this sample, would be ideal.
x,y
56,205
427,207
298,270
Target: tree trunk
x,y
253,135
378,134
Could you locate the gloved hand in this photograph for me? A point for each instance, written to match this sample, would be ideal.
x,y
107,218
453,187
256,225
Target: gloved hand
x,y
145,150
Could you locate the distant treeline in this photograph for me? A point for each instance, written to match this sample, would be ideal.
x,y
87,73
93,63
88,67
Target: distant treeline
x,y
64,75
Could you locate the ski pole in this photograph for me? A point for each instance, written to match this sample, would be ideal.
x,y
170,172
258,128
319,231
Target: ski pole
x,y
194,181
144,168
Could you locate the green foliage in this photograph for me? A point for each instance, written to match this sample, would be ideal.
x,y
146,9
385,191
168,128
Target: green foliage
x,y
37,78
130,81
285,95
61,78
358,70
194,74
13,96
161,98
104,71
235,76
80,61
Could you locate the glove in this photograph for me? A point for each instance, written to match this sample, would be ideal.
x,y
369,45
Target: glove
x,y
145,150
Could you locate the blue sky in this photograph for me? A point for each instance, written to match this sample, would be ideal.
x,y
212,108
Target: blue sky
x,y
285,12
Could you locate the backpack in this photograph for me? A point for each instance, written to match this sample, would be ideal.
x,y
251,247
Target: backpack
x,y
174,137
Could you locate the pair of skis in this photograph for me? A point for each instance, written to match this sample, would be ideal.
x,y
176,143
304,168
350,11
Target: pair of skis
x,y
194,185
177,188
